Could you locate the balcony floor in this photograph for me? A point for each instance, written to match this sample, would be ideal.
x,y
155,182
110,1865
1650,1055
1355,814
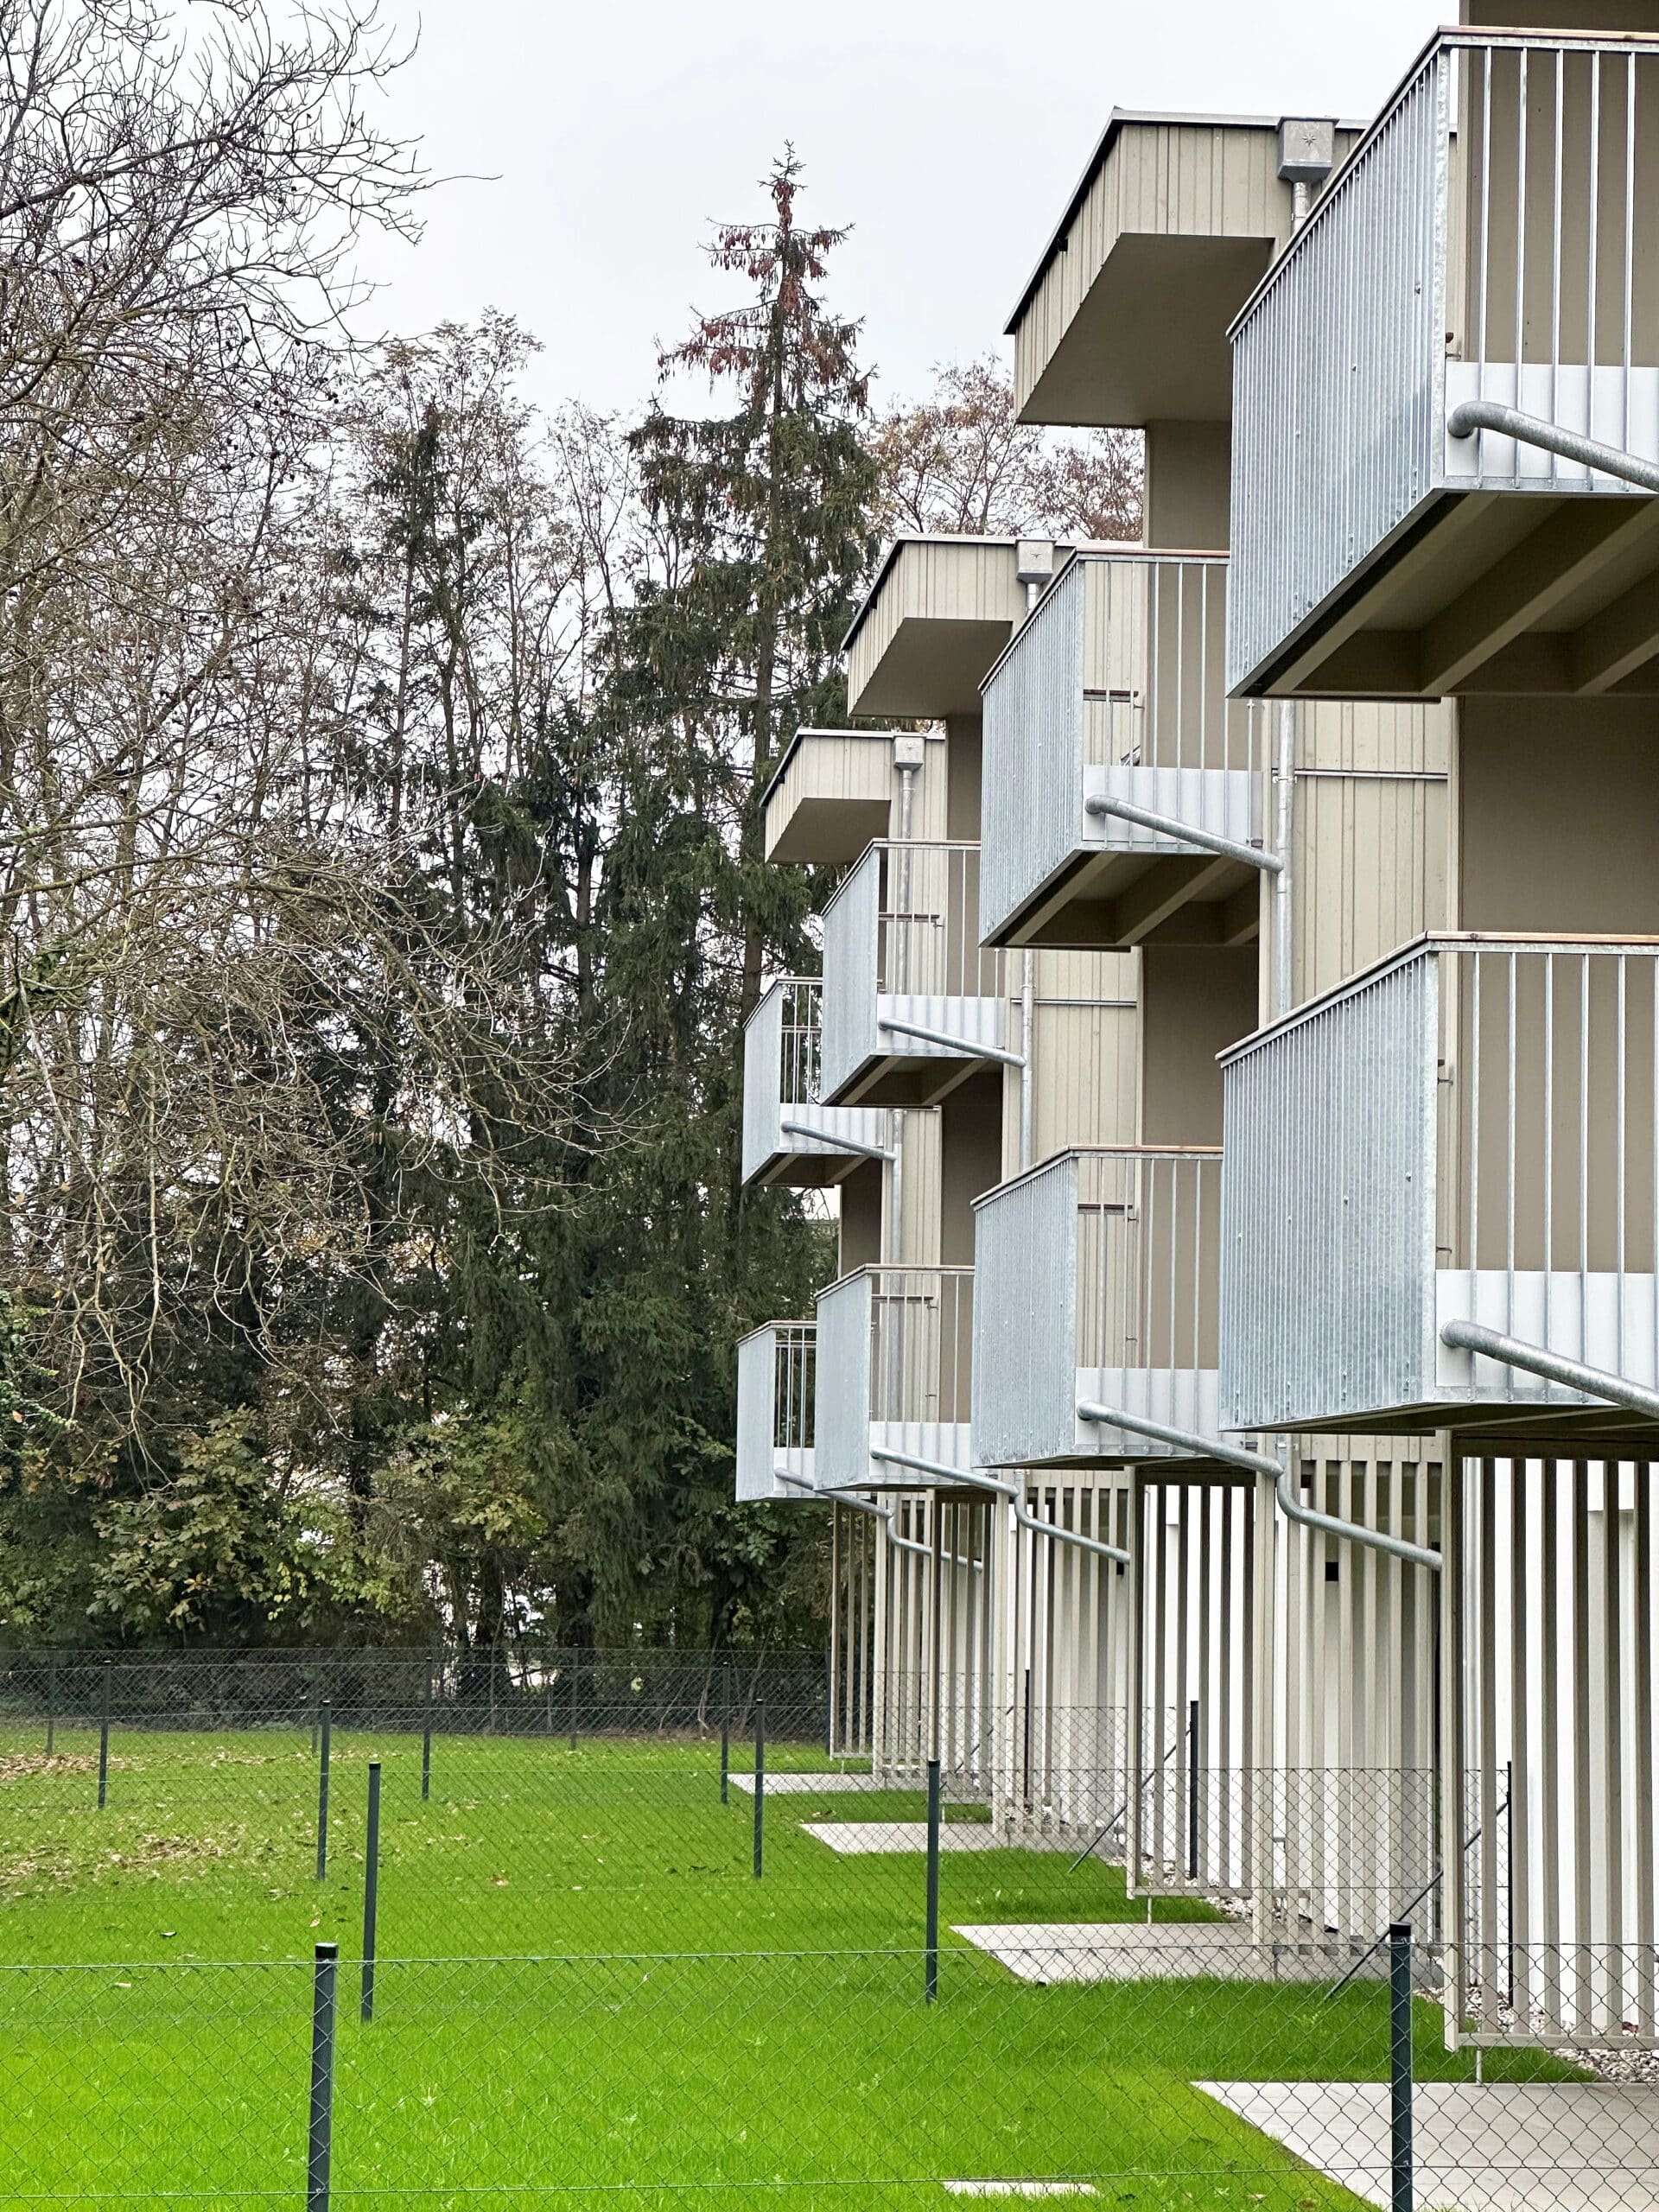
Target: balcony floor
x,y
1511,579
1105,901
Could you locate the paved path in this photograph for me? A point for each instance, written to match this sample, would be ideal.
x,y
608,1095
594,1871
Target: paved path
x,y
1493,2146
1130,1951
853,1836
809,1785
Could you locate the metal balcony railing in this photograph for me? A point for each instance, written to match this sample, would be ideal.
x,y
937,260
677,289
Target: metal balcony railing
x,y
1114,688
1466,1133
1484,241
1098,1279
776,1374
902,946
783,1091
895,1354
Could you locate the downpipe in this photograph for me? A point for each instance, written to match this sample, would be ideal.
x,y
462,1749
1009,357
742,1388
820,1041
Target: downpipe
x,y
1473,415
1572,1374
1184,833
1257,1463
976,1478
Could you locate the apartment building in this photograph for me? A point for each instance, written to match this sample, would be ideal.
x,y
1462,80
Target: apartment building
x,y
1239,1047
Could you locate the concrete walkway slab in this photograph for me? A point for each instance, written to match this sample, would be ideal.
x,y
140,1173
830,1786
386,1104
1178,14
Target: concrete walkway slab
x,y
1492,2147
809,1785
854,1836
1057,1951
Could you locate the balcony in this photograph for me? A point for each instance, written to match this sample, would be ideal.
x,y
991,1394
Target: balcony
x,y
1113,693
940,611
895,1356
1124,320
1465,1133
1489,241
789,1137
901,955
836,790
775,1370
1098,1280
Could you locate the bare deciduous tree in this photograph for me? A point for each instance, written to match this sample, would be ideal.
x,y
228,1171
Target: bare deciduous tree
x,y
961,461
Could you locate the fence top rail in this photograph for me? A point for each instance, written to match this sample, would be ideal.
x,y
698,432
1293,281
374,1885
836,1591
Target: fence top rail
x,y
876,1269
1104,556
1059,1160
1452,38
812,984
1527,943
777,1328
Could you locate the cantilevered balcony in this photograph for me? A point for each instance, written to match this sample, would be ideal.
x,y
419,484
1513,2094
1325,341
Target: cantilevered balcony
x,y
775,1370
1463,1136
1096,1278
895,1368
789,1135
1488,247
835,790
1118,800
911,1001
939,614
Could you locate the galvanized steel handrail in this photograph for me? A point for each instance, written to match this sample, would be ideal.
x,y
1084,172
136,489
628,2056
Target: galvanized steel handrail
x,y
1536,1359
1256,1462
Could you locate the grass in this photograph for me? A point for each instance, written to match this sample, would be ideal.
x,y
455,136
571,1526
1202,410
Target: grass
x,y
583,1989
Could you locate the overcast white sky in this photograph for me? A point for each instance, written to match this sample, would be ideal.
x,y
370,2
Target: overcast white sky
x,y
949,133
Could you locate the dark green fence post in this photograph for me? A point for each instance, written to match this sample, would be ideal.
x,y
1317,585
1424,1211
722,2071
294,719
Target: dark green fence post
x,y
930,1972
51,1706
725,1758
104,1744
320,2141
760,1783
575,1691
371,1888
1400,2195
316,1692
426,1739
326,1718
1193,1792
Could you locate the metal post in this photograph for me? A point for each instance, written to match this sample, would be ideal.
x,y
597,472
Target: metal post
x,y
426,1739
51,1706
930,1977
316,1691
726,1757
759,1782
326,1974
104,1744
371,1888
1400,2066
326,1718
1192,1791
576,1687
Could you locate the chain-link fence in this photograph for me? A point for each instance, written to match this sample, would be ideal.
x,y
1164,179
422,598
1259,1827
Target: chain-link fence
x,y
365,1925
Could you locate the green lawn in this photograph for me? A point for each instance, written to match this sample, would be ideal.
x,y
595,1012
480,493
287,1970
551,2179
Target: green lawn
x,y
582,1988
